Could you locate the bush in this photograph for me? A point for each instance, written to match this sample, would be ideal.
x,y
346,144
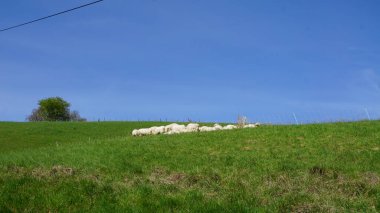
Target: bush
x,y
36,115
74,116
54,109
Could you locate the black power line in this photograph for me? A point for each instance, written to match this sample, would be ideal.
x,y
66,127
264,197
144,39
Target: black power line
x,y
56,14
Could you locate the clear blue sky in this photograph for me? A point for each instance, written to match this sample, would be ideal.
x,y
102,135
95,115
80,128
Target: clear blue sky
x,y
204,60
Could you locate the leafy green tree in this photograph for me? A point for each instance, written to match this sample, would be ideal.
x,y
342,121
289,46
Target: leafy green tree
x,y
54,109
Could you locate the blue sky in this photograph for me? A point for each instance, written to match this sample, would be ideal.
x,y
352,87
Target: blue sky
x,y
204,60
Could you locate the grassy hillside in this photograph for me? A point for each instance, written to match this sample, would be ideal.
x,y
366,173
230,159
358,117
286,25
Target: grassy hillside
x,y
100,167
18,136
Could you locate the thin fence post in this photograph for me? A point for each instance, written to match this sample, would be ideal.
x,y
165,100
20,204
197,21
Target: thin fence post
x,y
366,111
295,118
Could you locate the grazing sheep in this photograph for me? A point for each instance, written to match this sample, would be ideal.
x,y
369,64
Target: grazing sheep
x,y
176,129
203,128
152,130
192,127
144,131
157,130
169,127
249,126
206,129
135,132
218,127
160,129
229,127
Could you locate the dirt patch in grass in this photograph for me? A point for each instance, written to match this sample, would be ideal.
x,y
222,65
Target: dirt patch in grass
x,y
371,178
316,170
319,185
176,177
313,207
161,176
246,148
41,173
62,171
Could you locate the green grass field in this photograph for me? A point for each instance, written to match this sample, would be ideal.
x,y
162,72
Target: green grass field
x,y
100,167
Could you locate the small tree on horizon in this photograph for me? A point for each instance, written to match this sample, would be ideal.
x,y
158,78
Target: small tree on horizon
x,y
54,109
36,115
74,116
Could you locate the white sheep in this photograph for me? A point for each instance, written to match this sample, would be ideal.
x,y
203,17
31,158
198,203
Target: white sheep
x,y
218,127
206,129
157,130
152,130
145,131
169,127
229,127
160,129
249,126
192,127
135,132
176,129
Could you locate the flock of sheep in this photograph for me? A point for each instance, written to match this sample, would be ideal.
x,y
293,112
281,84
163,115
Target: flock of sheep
x,y
191,127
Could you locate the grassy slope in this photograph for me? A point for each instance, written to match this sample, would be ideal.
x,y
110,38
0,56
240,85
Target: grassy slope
x,y
325,167
18,136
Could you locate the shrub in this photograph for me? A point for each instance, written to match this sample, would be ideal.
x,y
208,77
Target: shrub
x,y
54,109
36,115
74,116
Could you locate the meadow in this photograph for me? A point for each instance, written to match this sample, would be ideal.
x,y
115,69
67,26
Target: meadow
x,y
100,167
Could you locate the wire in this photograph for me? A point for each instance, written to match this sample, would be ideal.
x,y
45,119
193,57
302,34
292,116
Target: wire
x,y
56,14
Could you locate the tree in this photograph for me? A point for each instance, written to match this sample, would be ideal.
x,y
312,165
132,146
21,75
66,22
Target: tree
x,y
36,115
54,109
74,116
